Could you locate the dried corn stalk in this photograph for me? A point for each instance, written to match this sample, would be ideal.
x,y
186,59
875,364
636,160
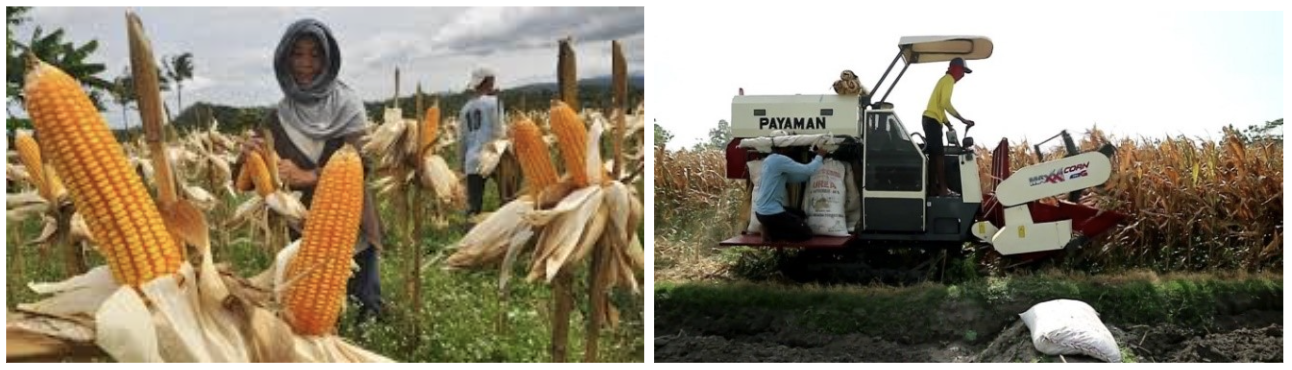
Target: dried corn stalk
x,y
619,69
567,73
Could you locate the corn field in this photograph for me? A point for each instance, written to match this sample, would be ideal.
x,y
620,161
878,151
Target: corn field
x,y
1192,204
109,223
449,322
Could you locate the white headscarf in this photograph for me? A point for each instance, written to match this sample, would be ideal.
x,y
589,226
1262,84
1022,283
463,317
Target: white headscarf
x,y
324,109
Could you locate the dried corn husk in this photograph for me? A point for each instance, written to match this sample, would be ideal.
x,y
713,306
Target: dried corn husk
x,y
487,242
491,154
22,206
437,176
567,225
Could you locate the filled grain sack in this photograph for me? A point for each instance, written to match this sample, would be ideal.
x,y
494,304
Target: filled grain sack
x,y
826,199
1068,327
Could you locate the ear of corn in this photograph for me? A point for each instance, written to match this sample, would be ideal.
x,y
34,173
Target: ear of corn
x,y
260,176
430,128
29,154
255,173
47,184
56,187
116,206
572,138
270,156
244,183
535,159
322,266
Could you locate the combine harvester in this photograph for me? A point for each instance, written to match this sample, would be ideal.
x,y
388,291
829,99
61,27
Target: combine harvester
x,y
895,230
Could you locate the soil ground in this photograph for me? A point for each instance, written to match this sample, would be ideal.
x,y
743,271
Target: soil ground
x,y
1256,336
1174,319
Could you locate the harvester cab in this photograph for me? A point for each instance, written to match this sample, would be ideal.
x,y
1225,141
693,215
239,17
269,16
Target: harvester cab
x,y
888,201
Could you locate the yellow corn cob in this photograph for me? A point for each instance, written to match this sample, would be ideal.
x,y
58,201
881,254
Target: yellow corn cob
x,y
572,138
29,154
270,157
56,188
116,206
322,266
244,182
430,127
259,173
535,159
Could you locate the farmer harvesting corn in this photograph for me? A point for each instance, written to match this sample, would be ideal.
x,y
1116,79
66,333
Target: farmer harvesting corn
x,y
482,116
316,117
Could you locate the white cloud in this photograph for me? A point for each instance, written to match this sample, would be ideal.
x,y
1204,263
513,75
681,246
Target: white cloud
x,y
233,47
485,30
198,83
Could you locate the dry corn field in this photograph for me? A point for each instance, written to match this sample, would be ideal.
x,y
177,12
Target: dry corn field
x,y
114,249
1192,204
456,322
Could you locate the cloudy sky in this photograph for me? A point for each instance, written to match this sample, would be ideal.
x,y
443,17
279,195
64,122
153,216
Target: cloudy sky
x,y
233,47
1151,71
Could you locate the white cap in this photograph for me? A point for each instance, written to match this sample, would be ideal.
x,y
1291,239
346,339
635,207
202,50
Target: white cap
x,y
478,76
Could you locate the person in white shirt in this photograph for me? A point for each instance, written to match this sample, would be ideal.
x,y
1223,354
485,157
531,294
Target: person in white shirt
x,y
481,119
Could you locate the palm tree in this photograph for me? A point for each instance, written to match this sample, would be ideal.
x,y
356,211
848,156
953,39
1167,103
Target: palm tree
x,y
178,69
67,56
123,93
14,16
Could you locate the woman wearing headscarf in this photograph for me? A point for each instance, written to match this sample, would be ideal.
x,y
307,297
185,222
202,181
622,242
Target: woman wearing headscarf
x,y
317,116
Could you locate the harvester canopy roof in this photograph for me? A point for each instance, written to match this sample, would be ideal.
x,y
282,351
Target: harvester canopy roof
x,y
931,49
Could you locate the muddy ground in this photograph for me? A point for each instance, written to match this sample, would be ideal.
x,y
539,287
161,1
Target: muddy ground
x,y
1252,336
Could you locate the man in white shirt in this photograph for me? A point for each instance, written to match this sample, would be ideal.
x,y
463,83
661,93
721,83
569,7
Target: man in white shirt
x,y
481,120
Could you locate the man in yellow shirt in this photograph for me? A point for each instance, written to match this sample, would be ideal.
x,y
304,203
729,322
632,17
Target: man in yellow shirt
x,y
936,116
